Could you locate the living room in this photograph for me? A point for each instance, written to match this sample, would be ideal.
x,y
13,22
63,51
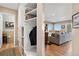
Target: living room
x,y
58,28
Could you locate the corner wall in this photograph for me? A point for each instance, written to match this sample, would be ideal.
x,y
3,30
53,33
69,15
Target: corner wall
x,y
40,30
75,33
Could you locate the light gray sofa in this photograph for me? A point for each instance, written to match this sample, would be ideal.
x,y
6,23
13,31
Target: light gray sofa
x,y
60,38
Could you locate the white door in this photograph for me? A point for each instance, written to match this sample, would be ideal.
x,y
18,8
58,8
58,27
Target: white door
x,y
1,28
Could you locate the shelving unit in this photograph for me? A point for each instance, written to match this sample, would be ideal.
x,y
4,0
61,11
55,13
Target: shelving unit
x,y
29,24
32,11
32,19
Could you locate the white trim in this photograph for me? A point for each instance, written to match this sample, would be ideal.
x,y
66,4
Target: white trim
x,y
1,30
14,31
32,19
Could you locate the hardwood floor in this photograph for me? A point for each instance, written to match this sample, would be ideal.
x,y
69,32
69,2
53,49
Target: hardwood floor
x,y
7,46
10,45
62,50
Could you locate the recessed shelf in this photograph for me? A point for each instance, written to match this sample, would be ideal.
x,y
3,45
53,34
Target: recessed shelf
x,y
29,23
31,12
32,19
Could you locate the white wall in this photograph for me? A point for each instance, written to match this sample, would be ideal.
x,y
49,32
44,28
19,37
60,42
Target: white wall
x,y
40,30
9,18
65,23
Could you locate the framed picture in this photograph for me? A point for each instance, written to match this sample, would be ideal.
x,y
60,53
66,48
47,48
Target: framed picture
x,y
9,24
62,26
75,20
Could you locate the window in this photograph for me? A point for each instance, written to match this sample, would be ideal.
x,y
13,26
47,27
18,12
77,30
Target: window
x,y
50,27
57,27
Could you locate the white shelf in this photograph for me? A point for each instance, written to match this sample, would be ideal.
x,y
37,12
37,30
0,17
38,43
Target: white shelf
x,y
31,19
31,12
29,24
31,52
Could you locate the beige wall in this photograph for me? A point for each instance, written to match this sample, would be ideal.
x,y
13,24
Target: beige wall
x,y
20,19
7,10
75,8
75,33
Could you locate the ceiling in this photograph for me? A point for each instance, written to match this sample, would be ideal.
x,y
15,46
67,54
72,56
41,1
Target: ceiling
x,y
10,5
55,12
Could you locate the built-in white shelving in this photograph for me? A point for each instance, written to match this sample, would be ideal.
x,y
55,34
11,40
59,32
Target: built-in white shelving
x,y
29,24
32,19
32,11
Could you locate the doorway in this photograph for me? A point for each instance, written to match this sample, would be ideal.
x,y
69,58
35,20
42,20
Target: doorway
x,y
8,30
